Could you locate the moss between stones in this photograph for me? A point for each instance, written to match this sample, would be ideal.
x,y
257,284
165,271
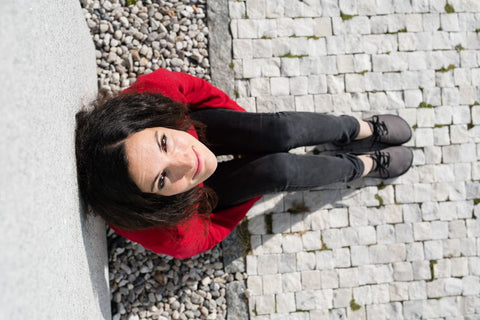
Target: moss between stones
x,y
446,69
298,207
268,223
449,8
354,306
380,200
432,270
423,104
289,55
346,16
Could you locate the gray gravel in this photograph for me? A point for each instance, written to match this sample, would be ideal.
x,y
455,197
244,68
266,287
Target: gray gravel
x,y
132,40
137,39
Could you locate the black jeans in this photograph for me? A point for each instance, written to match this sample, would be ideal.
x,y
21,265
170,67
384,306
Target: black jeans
x,y
263,140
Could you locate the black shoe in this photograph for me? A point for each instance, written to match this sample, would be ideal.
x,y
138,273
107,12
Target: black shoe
x,y
390,162
388,130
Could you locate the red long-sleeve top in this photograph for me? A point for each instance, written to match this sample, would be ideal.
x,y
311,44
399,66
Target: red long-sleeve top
x,y
195,235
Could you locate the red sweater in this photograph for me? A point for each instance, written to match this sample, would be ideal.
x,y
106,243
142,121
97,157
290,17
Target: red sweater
x,y
195,235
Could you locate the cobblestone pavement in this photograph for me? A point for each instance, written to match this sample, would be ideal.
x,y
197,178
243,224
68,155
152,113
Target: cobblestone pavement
x,y
406,248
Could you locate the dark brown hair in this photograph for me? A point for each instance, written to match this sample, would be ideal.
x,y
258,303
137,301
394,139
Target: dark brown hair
x,y
106,187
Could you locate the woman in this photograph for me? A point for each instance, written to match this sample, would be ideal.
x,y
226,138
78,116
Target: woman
x,y
147,159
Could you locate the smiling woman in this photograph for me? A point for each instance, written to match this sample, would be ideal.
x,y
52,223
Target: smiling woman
x,y
147,159
167,161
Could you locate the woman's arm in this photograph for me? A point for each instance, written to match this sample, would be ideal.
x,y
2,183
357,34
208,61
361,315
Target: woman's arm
x,y
195,237
182,87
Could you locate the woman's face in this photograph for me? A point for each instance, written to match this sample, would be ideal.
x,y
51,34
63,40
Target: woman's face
x,y
167,161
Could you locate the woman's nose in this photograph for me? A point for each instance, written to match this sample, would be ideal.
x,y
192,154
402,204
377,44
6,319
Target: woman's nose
x,y
182,164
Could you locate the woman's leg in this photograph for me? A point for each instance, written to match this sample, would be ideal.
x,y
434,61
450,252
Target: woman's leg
x,y
238,180
234,132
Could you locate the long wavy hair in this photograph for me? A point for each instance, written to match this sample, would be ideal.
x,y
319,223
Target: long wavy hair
x,y
105,185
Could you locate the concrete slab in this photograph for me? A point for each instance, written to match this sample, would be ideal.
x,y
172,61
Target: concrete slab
x,y
53,262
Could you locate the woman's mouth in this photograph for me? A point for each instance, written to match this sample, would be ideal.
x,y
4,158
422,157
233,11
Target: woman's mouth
x,y
199,164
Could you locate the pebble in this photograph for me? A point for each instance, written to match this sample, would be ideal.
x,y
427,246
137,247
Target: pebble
x,y
129,41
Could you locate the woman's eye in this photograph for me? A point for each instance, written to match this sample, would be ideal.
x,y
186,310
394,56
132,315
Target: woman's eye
x,y
164,143
161,180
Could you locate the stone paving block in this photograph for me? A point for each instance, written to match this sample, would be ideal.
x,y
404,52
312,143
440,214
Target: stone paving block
x,y
436,288
322,27
311,240
317,84
256,225
290,67
247,29
462,76
298,85
441,41
417,290
385,234
265,304
285,302
291,282
453,286
467,247
267,264
333,238
443,268
236,10
259,87
380,293
402,271
242,49
324,299
354,83
312,280
299,315
398,291
471,285
256,9
378,44
251,68
305,261
355,25
421,270
342,297
274,9
341,257
292,243
254,284
413,22
324,260
272,243
336,45
461,115
433,249
348,277
272,283
251,264
345,63
474,266
413,309
329,279
451,248
459,266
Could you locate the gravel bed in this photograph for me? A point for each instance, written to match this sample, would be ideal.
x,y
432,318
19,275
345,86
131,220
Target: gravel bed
x,y
131,40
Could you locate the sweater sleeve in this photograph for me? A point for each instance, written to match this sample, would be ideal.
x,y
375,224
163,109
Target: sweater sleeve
x,y
179,86
192,238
